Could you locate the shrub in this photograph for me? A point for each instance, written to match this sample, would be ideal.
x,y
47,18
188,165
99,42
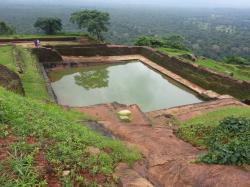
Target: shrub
x,y
237,60
229,143
6,29
175,42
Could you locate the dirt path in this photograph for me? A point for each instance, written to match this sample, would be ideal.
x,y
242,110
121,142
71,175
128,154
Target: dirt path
x,y
168,160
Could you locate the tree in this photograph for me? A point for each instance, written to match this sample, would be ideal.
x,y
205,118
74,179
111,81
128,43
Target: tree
x,y
94,21
237,60
6,29
149,41
93,79
49,25
175,42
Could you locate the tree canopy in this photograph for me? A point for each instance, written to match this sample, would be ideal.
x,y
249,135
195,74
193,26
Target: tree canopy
x,y
237,60
93,79
50,25
176,42
94,21
6,29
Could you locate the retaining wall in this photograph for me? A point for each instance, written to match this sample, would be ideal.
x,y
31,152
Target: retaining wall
x,y
48,57
203,77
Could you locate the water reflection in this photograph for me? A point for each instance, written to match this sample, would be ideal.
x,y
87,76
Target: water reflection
x,y
92,79
131,83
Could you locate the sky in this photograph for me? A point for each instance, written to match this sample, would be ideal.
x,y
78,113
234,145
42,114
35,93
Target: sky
x,y
170,3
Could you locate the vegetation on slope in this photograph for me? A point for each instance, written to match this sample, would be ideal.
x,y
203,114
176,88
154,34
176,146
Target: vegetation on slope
x,y
21,61
226,138
229,143
196,130
32,79
174,42
41,141
237,71
7,58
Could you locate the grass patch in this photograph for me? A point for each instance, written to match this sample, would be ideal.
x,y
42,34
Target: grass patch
x,y
63,140
7,58
198,129
32,79
173,52
237,71
229,143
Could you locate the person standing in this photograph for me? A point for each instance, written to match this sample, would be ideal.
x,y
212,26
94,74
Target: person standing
x,y
35,43
38,43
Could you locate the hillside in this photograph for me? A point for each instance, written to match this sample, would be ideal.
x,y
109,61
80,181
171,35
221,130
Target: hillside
x,y
47,144
41,142
239,72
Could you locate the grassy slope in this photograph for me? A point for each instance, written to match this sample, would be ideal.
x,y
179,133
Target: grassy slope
x,y
197,129
7,58
32,79
173,52
62,139
239,72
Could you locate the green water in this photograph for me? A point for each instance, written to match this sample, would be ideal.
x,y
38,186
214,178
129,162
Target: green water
x,y
129,83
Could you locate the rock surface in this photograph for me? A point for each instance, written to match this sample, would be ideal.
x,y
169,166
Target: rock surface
x,y
10,80
169,160
130,178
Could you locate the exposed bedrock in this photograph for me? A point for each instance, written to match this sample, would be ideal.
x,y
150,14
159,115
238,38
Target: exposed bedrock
x,y
10,80
168,161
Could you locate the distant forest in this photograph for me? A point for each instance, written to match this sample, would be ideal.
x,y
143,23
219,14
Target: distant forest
x,y
215,33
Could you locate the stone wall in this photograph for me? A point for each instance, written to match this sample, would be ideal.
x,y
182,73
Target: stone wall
x,y
10,80
47,56
203,77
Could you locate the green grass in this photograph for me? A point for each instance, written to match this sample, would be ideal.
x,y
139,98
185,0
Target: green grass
x,y
61,137
239,72
7,58
197,129
173,52
31,77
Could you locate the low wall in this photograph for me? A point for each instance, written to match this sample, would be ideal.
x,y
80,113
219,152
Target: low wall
x,y
10,80
41,39
203,77
47,56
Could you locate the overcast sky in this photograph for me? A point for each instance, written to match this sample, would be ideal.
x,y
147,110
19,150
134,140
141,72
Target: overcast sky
x,y
175,3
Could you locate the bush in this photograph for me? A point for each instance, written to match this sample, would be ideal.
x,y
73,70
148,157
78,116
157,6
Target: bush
x,y
6,29
229,143
237,60
175,42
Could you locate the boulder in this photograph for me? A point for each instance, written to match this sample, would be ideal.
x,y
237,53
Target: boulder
x,y
124,113
191,57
